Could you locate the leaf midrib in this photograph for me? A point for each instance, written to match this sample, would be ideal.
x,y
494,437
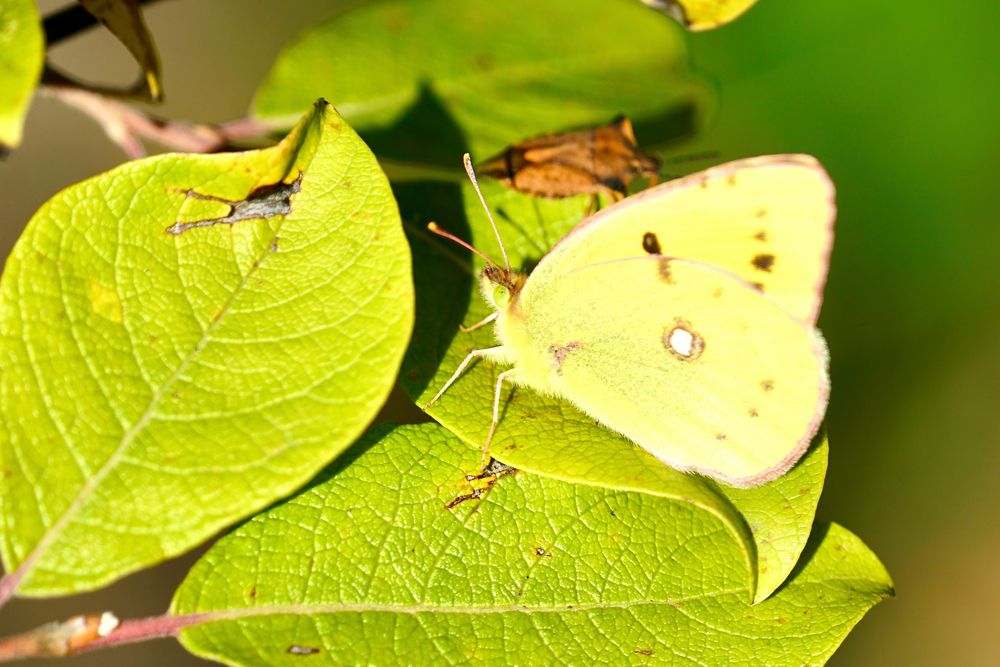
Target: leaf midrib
x,y
365,607
129,436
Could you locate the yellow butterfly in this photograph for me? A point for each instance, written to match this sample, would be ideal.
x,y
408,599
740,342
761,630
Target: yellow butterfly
x,y
702,14
682,317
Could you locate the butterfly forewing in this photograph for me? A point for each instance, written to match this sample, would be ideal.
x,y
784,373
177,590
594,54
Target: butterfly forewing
x,y
768,220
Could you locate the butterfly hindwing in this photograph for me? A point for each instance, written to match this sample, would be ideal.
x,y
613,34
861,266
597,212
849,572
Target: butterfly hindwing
x,y
689,361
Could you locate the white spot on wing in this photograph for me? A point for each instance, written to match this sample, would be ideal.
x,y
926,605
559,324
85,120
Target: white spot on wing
x,y
683,342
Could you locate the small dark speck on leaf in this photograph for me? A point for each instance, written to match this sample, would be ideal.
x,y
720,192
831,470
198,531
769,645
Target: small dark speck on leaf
x,y
639,650
485,62
296,649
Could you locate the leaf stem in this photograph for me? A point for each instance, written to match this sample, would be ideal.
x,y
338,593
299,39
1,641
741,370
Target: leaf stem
x,y
69,21
143,629
126,125
91,632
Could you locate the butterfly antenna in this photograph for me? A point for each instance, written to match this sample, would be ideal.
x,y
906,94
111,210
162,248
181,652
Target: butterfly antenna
x,y
467,159
434,229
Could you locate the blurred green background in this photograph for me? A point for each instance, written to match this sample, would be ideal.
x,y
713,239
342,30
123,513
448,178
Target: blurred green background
x,y
899,101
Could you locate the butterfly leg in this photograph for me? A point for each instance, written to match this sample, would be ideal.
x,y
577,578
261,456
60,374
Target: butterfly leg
x,y
461,368
496,415
480,323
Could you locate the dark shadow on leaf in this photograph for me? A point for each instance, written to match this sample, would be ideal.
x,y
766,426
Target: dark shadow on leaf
x,y
442,276
816,537
425,134
674,124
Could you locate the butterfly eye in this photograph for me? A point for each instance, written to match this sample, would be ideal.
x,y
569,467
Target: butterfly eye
x,y
501,296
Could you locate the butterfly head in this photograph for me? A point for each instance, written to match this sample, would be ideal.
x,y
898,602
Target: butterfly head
x,y
500,286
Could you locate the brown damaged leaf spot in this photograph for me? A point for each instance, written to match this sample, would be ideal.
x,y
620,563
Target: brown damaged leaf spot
x,y
641,650
266,201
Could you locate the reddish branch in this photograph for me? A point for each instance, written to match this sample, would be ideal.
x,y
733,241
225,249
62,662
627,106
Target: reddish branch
x,y
91,632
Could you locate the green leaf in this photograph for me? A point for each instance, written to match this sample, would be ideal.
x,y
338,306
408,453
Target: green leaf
x,y
547,435
370,567
780,515
499,73
21,53
173,362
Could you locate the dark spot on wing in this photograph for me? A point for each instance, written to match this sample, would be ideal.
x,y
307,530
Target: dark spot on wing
x,y
761,235
651,244
753,412
767,385
721,436
663,267
758,286
763,262
761,212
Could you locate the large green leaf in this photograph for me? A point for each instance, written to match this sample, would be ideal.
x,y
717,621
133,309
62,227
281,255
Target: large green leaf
x,y
549,436
21,54
370,567
500,71
173,362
